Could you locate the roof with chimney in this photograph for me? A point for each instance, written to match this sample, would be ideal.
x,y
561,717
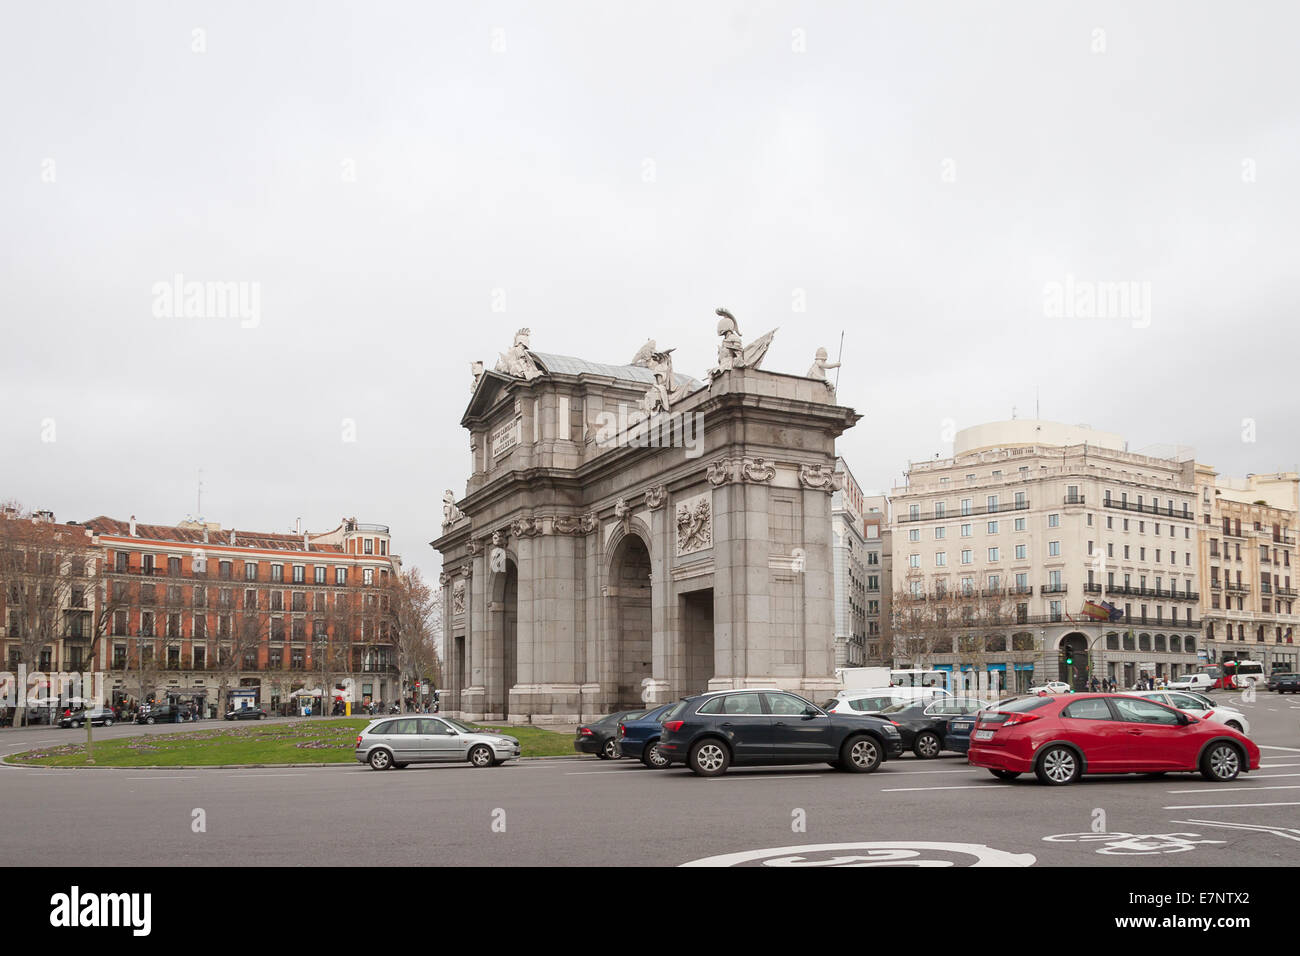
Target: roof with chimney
x,y
193,533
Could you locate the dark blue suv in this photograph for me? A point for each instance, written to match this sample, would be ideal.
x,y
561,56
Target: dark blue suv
x,y
711,732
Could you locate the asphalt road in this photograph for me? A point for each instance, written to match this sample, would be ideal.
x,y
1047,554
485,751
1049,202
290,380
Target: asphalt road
x,y
583,811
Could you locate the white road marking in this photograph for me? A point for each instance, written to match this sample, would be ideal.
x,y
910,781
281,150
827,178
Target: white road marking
x,y
261,775
167,777
895,773
1294,750
1277,766
1270,776
784,776
1229,806
1234,789
969,786
1286,833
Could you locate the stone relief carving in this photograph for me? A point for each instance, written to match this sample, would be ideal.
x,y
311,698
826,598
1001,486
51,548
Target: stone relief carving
x,y
655,496
517,361
458,597
719,472
473,546
498,539
662,394
526,526
758,469
694,524
589,522
821,477
467,570
623,512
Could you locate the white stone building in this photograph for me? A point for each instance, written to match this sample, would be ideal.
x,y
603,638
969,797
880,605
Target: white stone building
x,y
1042,517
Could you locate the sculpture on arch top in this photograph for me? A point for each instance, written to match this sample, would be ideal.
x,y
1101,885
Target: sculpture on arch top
x,y
517,361
732,352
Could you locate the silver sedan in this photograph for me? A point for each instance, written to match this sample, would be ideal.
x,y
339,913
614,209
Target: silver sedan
x,y
398,741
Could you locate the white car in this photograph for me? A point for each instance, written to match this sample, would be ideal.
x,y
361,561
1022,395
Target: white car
x,y
1051,687
873,700
1198,706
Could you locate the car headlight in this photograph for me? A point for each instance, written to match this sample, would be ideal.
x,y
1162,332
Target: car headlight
x,y
891,730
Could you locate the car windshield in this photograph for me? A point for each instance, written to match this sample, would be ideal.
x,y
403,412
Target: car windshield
x,y
1022,704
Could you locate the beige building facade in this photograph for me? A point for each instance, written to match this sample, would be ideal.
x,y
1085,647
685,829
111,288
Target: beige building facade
x,y
1026,522
1248,531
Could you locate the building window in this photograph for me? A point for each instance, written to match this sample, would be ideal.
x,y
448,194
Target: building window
x,y
299,574
1022,552
369,546
941,559
250,570
1020,524
965,531
340,575
277,572
966,557
992,527
1053,549
1053,521
320,574
369,575
993,554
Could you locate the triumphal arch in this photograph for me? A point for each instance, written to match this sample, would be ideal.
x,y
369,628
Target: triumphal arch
x,y
629,534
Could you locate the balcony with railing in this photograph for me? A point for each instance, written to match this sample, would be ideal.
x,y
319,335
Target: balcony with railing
x,y
1074,500
972,512
1054,589
1149,509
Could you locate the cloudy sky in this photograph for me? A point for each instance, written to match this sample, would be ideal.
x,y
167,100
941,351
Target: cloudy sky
x,y
404,185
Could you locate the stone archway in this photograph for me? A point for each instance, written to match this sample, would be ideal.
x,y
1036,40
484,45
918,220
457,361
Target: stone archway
x,y
631,637
503,666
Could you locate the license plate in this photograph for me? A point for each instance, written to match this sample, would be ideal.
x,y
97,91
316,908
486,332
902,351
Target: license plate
x,y
983,735
961,726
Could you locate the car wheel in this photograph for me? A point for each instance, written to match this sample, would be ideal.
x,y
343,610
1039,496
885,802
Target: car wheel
x,y
709,758
607,752
108,722
149,720
653,757
1005,774
860,755
1058,766
1234,725
380,760
1222,762
927,746
481,755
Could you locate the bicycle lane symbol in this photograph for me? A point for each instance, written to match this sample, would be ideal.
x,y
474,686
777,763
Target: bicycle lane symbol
x,y
1135,844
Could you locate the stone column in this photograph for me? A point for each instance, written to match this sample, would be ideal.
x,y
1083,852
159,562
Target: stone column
x,y
473,697
818,596
666,634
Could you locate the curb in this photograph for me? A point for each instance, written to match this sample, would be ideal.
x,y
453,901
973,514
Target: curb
x,y
5,761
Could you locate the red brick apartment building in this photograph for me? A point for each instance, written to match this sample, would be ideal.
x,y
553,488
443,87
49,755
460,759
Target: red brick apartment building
x,y
194,612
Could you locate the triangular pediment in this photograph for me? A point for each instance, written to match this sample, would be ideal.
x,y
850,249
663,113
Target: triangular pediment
x,y
486,394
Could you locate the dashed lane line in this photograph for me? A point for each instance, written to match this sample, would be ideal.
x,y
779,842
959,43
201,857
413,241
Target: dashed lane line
x,y
1234,789
969,786
1229,806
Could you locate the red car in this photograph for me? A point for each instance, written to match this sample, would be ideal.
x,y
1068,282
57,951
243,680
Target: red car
x,y
1061,738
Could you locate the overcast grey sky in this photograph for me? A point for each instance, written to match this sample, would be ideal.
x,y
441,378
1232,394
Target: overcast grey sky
x,y
917,173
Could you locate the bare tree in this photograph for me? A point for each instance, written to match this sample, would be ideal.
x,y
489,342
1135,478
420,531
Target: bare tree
x,y
45,574
332,640
969,622
411,608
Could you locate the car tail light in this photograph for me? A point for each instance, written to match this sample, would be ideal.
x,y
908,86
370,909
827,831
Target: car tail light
x,y
673,726
584,731
1013,719
358,740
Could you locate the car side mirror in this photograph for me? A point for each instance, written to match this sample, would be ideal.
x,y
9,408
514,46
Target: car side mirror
x,y
809,712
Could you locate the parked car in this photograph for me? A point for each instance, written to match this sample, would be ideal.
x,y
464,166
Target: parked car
x,y
873,700
1198,706
1197,681
246,713
398,741
1285,683
1061,738
956,736
98,715
638,737
1051,687
711,732
923,723
163,714
601,736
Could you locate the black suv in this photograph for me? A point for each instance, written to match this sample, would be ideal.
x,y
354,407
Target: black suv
x,y
1286,683
711,732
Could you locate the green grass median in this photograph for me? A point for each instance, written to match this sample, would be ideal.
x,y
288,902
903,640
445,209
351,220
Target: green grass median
x,y
247,744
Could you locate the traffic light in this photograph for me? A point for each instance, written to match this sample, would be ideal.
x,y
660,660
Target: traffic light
x,y
1069,658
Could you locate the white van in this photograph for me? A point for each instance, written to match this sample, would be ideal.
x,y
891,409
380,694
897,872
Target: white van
x,y
1196,681
872,700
